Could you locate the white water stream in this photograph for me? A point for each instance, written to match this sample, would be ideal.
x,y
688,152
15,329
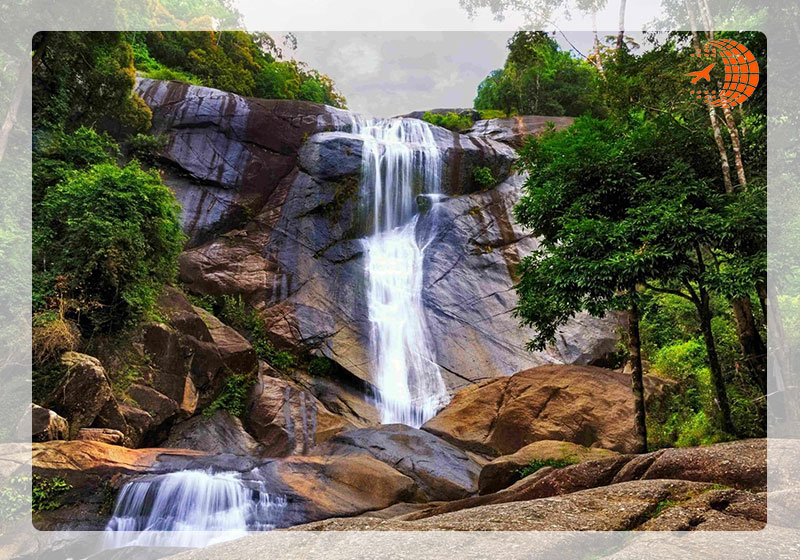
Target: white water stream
x,y
400,160
189,508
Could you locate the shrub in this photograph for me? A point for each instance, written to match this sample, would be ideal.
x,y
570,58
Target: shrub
x,y
145,147
320,366
46,493
233,397
113,235
482,176
15,498
52,335
451,121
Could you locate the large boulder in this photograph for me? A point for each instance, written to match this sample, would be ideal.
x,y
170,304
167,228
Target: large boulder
x,y
102,435
322,487
41,424
589,406
217,433
740,464
84,394
503,471
441,470
286,419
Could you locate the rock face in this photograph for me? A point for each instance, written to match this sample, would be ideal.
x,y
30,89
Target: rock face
x,y
514,130
272,202
442,471
286,419
41,424
217,434
620,507
504,471
588,406
471,325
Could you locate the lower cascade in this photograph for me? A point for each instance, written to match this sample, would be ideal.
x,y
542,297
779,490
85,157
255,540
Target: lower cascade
x,y
190,509
400,161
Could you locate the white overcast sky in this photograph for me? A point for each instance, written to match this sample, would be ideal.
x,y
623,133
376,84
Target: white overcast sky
x,y
390,57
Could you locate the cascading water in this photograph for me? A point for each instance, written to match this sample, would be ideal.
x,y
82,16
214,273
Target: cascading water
x,y
400,159
190,508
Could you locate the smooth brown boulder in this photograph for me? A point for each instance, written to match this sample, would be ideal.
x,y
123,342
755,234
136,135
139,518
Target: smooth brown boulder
x,y
102,435
286,419
82,393
504,471
41,424
322,487
159,406
441,470
586,405
739,464
218,433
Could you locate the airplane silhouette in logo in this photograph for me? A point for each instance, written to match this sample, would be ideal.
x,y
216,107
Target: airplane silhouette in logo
x,y
704,74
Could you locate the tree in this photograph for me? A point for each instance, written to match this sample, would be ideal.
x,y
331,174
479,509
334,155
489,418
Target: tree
x,y
618,206
539,78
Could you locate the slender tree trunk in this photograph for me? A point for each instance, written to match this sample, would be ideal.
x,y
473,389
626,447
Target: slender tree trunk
x,y
736,142
717,378
637,382
621,33
712,114
753,348
597,61
13,107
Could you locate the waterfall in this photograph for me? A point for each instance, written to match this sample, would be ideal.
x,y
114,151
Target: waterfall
x,y
400,160
189,508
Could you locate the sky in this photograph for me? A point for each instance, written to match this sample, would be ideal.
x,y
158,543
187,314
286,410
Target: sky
x,y
398,57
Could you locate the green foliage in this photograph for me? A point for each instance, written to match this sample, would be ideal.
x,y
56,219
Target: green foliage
x,y
46,493
539,78
451,120
482,176
320,366
233,397
83,79
537,464
235,61
110,237
145,147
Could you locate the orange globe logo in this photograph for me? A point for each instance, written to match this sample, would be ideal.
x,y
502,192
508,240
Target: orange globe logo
x,y
741,73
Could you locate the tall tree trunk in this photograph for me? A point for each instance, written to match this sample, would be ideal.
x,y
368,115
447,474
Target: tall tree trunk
x,y
717,378
637,382
621,33
753,347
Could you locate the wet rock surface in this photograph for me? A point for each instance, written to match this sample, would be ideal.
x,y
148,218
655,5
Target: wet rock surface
x,y
441,470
